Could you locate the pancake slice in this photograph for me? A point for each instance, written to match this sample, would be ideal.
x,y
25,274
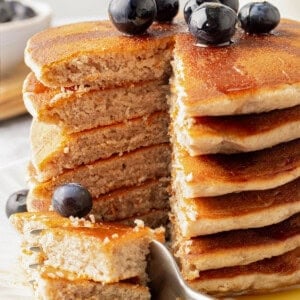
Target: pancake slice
x,y
80,108
49,285
219,174
93,53
208,215
256,74
104,253
259,277
231,134
107,175
235,248
53,151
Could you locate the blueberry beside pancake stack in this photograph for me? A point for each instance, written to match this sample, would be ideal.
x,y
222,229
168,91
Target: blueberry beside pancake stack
x,y
236,167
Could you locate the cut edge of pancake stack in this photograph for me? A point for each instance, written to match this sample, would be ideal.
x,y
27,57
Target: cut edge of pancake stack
x,y
236,168
106,129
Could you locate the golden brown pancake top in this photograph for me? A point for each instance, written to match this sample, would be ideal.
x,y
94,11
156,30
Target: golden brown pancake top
x,y
241,167
245,125
58,44
238,204
285,264
251,63
244,239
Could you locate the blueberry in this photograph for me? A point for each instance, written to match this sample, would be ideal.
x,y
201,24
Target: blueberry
x,y
21,11
234,4
166,10
6,12
213,23
16,203
259,17
132,16
72,199
191,5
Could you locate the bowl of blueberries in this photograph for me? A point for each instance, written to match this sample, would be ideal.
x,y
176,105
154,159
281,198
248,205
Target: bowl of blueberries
x,y
19,20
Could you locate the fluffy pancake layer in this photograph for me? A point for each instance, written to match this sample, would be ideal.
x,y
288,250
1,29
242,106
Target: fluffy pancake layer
x,y
107,175
121,205
81,108
49,285
93,53
244,133
219,174
262,276
252,209
262,73
236,248
53,152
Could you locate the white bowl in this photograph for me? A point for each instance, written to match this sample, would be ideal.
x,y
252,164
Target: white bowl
x,y
14,35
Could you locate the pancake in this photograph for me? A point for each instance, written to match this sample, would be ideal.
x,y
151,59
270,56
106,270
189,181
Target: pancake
x,y
235,248
122,204
257,73
219,174
252,209
107,175
131,202
95,53
49,285
54,151
259,277
243,133
81,108
120,251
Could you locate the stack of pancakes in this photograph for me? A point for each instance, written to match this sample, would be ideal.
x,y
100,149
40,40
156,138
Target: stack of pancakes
x,y
100,108
100,118
236,167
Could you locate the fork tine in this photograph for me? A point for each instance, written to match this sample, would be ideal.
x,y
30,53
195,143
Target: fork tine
x,y
35,266
36,231
35,249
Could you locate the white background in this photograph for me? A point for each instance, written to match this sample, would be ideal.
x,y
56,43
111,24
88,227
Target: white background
x,y
98,8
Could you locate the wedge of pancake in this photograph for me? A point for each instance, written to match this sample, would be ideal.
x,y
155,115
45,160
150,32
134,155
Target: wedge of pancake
x,y
251,209
219,174
235,248
53,151
243,133
51,284
93,53
263,276
81,108
255,74
107,175
47,280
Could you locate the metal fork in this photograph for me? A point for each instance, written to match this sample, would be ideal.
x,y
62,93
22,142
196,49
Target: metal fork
x,y
166,282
